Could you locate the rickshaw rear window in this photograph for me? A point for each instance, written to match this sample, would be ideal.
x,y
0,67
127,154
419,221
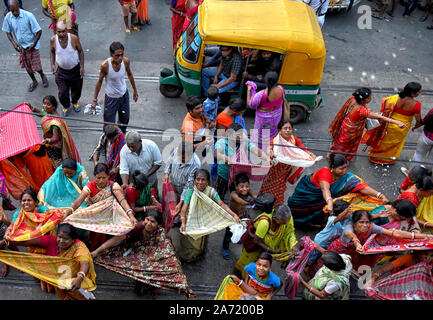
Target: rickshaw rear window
x,y
191,47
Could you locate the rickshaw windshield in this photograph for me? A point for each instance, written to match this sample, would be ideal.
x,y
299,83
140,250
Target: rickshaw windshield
x,y
191,45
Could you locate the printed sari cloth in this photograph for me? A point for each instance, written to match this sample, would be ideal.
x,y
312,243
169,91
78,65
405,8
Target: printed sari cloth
x,y
52,269
113,155
283,239
388,139
68,149
360,202
325,275
205,216
152,261
413,283
177,20
296,267
228,290
169,202
33,225
377,243
346,134
307,201
61,191
104,215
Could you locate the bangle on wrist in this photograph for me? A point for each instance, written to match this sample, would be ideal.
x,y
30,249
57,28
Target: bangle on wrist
x,y
329,198
424,224
413,235
144,209
82,274
378,194
240,283
129,211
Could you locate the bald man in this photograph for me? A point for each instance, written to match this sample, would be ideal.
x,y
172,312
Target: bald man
x,y
67,64
24,32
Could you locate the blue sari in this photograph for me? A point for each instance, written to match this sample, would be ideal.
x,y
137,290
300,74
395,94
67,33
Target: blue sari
x,y
306,203
60,191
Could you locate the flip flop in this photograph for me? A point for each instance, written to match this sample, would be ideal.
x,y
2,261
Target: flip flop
x,y
32,87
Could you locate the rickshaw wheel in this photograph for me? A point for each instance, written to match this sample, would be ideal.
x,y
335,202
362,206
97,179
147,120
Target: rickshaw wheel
x,y
298,112
170,91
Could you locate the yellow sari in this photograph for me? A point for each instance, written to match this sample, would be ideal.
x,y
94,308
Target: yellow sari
x,y
394,137
425,212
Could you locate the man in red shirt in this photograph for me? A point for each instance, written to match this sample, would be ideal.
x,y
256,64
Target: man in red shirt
x,y
129,6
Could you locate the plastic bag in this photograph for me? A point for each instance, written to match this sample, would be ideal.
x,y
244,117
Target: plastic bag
x,y
237,230
89,110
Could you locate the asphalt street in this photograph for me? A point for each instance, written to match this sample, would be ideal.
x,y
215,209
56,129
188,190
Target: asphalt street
x,y
385,58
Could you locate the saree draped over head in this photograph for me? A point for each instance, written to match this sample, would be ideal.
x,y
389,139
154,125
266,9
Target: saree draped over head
x,y
150,260
307,201
290,163
60,191
32,225
413,283
325,275
52,269
67,146
346,129
104,214
388,139
113,154
283,239
296,267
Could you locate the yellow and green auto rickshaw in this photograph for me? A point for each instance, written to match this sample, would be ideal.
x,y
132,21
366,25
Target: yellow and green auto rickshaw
x,y
287,28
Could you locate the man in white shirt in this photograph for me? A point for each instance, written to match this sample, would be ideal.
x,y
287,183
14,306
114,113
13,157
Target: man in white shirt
x,y
139,154
320,7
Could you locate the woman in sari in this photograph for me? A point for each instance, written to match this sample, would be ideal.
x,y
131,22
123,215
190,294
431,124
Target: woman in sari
x,y
190,249
64,186
315,191
275,182
387,140
268,104
147,255
141,196
259,280
191,7
67,245
99,195
57,138
177,19
348,126
356,233
332,281
399,215
274,233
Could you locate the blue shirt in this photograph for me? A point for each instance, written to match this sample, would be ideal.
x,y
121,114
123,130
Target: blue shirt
x,y
331,232
23,28
211,108
273,280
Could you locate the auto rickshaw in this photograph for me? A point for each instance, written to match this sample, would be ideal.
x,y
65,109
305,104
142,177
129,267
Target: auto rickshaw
x,y
287,28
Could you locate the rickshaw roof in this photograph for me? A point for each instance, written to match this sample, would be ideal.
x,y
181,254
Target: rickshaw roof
x,y
276,25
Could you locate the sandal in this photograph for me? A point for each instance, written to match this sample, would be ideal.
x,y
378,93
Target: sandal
x,y
376,16
32,87
388,19
136,29
226,253
424,18
390,14
128,31
76,107
45,82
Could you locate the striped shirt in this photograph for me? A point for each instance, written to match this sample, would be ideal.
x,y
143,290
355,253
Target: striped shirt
x,y
182,175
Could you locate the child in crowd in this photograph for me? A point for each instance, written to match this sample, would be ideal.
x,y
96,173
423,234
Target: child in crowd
x,y
240,197
211,105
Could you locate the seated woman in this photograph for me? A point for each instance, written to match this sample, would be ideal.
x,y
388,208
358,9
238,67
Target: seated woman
x,y
274,233
67,245
399,215
332,281
190,249
315,191
64,186
101,194
146,254
356,233
259,280
141,195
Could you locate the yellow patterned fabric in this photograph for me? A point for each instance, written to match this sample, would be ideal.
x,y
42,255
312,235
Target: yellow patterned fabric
x,y
359,202
425,212
228,290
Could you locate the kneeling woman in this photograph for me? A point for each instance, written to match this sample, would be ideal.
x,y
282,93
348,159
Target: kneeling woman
x,y
190,249
259,280
65,245
146,254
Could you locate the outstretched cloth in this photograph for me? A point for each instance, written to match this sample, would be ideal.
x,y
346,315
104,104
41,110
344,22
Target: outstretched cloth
x,y
56,271
413,283
18,131
359,202
228,290
205,216
106,216
288,153
169,201
296,267
377,243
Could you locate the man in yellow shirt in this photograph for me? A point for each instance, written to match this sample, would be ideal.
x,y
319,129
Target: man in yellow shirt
x,y
61,12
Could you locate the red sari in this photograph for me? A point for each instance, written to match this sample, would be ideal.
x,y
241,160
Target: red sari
x,y
177,21
347,128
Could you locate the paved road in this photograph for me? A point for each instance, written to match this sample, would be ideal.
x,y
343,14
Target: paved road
x,y
385,57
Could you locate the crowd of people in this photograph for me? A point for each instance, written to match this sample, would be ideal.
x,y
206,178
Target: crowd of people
x,y
120,220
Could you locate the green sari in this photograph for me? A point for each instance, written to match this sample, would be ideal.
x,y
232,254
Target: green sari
x,y
145,199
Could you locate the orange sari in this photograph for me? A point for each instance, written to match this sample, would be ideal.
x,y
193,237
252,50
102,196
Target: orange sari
x,y
17,176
